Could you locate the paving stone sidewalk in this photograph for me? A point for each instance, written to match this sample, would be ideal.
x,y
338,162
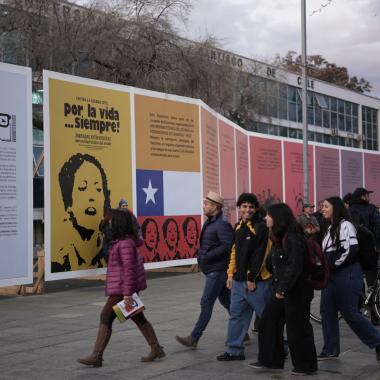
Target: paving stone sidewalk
x,y
41,337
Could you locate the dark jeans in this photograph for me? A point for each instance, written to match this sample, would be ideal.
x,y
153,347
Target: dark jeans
x,y
342,295
215,287
294,310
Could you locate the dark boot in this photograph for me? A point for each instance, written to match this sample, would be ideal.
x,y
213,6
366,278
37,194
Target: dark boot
x,y
96,358
156,351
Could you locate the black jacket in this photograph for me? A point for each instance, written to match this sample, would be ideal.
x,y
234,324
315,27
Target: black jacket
x,y
215,244
366,213
288,262
250,248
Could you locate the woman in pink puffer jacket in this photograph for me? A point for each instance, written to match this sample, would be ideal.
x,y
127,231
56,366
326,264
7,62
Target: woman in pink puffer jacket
x,y
125,276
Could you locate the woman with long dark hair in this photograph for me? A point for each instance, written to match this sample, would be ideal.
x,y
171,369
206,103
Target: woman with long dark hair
x,y
125,276
345,282
290,302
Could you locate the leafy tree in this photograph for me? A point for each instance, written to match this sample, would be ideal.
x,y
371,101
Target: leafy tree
x,y
318,67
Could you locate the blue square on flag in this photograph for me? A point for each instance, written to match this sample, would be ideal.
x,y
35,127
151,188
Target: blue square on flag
x,y
150,194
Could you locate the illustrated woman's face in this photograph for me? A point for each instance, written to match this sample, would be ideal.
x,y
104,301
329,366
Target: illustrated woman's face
x,y
191,232
327,210
88,196
172,235
151,235
269,221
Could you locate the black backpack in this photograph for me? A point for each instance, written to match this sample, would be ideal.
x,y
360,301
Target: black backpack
x,y
318,265
368,255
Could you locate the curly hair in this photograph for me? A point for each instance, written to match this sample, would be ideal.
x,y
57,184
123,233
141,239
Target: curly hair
x,y
248,198
66,179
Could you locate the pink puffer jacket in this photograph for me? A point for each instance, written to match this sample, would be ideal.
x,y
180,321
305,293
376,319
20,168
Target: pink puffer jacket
x,y
125,272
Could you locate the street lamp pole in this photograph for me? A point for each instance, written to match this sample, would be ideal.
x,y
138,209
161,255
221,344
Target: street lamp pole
x,y
304,107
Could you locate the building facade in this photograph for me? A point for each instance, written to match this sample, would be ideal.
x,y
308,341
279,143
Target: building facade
x,y
335,115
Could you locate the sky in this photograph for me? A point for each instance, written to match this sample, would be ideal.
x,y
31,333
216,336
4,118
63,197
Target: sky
x,y
346,32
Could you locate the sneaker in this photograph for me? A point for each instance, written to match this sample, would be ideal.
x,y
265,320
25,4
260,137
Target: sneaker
x,y
323,356
298,372
378,352
227,357
187,341
256,365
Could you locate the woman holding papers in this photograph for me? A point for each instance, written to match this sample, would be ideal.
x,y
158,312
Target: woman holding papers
x,y
125,276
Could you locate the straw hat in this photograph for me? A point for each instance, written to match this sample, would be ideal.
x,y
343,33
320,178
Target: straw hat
x,y
214,198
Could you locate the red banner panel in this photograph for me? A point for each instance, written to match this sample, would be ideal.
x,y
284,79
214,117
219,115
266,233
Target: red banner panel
x,y
293,156
210,152
372,176
266,170
327,172
242,164
228,175
352,170
170,237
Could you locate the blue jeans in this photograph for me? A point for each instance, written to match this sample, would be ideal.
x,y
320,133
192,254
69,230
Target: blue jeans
x,y
342,295
215,287
243,303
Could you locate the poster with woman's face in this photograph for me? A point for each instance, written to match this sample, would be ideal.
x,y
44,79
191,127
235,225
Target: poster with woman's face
x,y
170,238
89,169
168,179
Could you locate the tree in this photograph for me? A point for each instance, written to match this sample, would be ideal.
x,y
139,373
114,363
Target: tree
x,y
131,42
318,67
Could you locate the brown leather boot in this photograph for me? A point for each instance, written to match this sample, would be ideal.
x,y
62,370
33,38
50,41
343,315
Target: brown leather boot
x,y
96,358
156,351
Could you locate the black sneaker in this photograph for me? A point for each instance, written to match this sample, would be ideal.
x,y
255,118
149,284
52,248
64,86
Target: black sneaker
x,y
298,372
256,365
323,356
226,357
378,352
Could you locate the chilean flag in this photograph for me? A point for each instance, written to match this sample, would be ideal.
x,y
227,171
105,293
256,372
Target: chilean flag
x,y
168,193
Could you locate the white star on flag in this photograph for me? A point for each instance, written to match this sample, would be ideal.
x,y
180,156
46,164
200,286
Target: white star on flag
x,y
150,191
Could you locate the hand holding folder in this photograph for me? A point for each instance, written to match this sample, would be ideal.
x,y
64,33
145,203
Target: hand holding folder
x,y
124,311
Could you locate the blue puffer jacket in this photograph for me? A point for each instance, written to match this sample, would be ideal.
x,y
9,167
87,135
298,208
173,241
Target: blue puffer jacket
x,y
215,244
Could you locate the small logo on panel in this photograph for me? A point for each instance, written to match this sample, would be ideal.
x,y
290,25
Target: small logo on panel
x,y
7,127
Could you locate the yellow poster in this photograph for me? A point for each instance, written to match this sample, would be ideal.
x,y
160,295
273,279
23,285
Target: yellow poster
x,y
90,169
167,134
